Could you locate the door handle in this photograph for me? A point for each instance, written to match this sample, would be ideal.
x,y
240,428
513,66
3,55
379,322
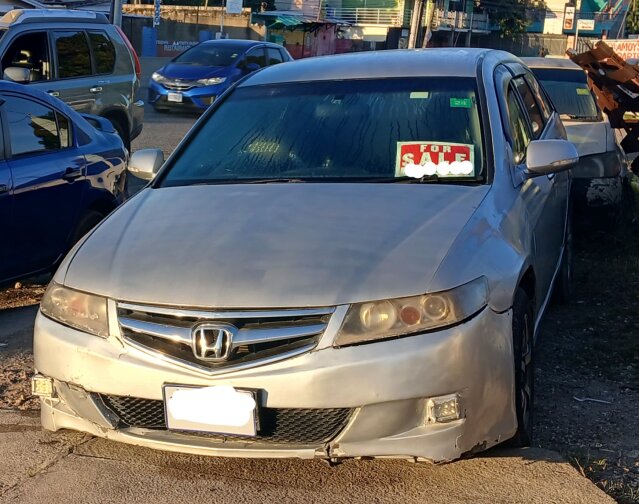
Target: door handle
x,y
72,173
96,89
53,93
4,188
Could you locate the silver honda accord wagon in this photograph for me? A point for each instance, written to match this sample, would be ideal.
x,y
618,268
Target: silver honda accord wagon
x,y
347,256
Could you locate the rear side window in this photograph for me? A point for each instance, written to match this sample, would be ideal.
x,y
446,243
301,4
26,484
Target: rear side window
x,y
33,127
274,56
74,58
64,131
103,52
532,108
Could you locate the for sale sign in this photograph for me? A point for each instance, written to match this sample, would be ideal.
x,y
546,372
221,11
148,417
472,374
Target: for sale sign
x,y
418,159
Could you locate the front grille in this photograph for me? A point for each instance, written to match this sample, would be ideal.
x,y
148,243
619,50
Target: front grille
x,y
259,336
276,425
178,85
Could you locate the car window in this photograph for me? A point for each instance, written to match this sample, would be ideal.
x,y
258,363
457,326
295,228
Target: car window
x,y
368,130
30,50
73,56
103,52
532,108
569,92
32,127
64,131
256,56
544,104
274,56
518,127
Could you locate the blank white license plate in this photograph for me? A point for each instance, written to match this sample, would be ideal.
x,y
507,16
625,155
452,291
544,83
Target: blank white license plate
x,y
220,409
175,97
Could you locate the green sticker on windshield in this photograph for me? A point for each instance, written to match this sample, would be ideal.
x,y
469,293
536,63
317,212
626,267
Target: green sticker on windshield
x,y
461,103
583,91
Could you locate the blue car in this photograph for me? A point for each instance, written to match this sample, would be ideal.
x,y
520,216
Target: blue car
x,y
192,80
60,174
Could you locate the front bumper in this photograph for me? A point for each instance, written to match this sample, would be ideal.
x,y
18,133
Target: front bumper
x,y
194,99
386,384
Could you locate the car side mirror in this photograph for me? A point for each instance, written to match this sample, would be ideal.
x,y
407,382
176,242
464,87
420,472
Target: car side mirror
x,y
144,164
17,74
544,157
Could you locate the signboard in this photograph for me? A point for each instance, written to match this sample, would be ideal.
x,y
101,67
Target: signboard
x,y
157,4
234,6
625,48
173,47
586,24
443,158
569,18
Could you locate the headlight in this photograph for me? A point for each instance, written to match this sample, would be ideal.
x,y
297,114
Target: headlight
x,y
79,310
211,81
390,318
158,77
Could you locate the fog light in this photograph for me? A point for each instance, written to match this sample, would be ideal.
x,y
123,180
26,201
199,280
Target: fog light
x,y
41,386
443,409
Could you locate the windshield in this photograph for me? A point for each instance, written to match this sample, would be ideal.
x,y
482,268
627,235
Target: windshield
x,y
356,130
209,55
568,90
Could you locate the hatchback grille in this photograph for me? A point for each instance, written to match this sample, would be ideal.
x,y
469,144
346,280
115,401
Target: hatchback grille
x,y
178,85
259,336
276,425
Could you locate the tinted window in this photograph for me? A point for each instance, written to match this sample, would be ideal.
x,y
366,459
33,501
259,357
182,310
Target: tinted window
x,y
64,131
74,59
32,127
274,56
531,106
103,52
30,50
568,90
256,56
518,127
338,131
210,54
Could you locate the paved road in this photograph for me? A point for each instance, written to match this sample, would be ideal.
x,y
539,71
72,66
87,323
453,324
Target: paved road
x,y
38,466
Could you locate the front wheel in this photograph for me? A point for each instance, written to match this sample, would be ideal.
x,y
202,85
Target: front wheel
x,y
523,330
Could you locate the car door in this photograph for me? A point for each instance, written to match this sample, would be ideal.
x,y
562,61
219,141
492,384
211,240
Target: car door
x,y
47,173
6,216
75,83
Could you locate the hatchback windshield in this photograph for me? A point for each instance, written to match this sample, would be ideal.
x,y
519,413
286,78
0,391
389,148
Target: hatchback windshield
x,y
210,55
568,90
358,130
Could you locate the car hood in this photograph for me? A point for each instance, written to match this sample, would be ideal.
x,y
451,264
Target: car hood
x,y
192,72
589,137
274,245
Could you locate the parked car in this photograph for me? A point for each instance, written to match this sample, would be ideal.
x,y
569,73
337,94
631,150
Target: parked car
x,y
598,179
59,176
193,80
78,57
341,274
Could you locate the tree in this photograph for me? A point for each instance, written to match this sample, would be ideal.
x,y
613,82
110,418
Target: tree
x,y
632,20
512,16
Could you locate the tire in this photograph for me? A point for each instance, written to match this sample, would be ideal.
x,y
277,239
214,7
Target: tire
x,y
562,290
86,224
523,331
122,132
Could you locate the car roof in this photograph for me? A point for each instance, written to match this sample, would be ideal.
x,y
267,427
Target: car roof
x,y
24,16
562,63
444,62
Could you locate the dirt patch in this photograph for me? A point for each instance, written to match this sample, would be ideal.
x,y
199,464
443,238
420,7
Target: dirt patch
x,y
21,294
587,383
15,382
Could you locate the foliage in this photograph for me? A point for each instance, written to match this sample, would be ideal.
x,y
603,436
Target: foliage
x,y
632,20
512,16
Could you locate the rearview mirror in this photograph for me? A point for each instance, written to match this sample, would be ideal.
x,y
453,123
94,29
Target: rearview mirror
x,y
144,164
17,74
544,157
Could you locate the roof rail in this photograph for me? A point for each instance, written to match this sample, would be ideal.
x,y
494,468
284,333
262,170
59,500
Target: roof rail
x,y
25,16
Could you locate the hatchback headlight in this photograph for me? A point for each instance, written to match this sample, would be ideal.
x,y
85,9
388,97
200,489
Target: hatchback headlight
x,y
377,320
76,309
211,81
158,77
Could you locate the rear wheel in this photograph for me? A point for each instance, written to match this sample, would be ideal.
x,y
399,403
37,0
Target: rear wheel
x,y
523,330
122,131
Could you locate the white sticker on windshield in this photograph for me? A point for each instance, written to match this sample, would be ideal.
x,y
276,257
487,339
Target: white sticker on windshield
x,y
445,159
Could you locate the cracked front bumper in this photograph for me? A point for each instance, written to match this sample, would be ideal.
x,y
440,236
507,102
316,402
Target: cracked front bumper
x,y
386,385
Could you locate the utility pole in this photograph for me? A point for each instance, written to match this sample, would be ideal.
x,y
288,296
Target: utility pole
x,y
415,23
116,12
577,9
430,10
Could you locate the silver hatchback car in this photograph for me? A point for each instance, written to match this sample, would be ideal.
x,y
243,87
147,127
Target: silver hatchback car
x,y
356,268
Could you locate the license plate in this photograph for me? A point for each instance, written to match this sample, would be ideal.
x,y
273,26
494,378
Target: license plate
x,y
221,409
175,97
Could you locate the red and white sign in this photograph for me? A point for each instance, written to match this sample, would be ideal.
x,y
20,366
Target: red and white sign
x,y
457,158
625,48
